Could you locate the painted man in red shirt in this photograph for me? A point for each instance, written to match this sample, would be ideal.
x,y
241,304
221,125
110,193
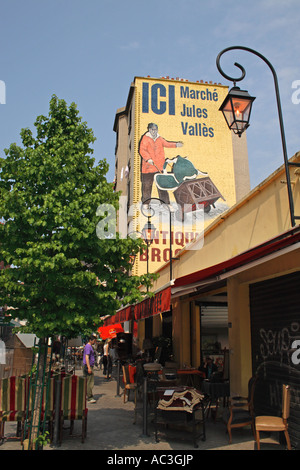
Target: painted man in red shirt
x,y
152,151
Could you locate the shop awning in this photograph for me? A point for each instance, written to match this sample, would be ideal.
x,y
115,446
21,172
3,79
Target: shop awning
x,y
149,307
121,315
216,271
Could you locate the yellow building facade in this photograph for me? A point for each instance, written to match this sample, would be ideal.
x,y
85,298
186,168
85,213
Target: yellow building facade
x,y
239,249
235,285
173,145
249,262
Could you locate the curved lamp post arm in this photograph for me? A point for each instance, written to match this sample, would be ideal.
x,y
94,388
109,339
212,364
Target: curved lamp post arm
x,y
147,242
286,162
170,226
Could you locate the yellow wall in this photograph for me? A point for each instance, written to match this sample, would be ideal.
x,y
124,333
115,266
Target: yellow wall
x,y
262,215
164,102
239,336
195,335
211,153
184,333
259,216
157,325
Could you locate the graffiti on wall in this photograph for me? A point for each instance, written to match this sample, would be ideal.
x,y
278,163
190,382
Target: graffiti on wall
x,y
283,344
280,357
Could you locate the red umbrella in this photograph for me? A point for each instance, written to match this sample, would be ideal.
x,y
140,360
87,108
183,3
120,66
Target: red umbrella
x,y
110,331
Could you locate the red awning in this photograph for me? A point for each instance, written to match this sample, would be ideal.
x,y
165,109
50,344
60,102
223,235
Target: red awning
x,y
119,317
270,246
110,331
149,307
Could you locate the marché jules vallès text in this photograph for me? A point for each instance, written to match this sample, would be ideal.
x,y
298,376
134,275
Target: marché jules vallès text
x,y
161,99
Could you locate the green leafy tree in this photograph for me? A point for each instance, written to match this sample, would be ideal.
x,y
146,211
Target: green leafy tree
x,y
62,277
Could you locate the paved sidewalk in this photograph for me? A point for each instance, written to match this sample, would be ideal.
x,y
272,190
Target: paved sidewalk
x,y
110,427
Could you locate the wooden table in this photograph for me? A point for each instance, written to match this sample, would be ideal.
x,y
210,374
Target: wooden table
x,y
177,406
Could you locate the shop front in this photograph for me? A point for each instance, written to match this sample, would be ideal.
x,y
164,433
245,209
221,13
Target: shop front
x,y
247,309
239,295
147,321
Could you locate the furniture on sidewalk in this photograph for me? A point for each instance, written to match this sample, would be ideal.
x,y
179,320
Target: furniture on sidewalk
x,y
128,376
12,405
276,423
169,373
129,381
240,411
177,407
73,403
152,373
48,404
215,391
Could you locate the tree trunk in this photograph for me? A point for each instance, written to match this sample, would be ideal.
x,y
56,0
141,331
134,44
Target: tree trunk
x,y
36,406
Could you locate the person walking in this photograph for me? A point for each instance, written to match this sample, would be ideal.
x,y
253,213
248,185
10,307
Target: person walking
x,y
88,365
107,362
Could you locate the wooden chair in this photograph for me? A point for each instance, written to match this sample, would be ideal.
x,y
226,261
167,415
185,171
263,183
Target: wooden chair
x,y
127,384
12,404
240,412
73,403
48,403
276,423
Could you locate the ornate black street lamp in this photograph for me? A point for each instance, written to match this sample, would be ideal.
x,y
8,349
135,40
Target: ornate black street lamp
x,y
148,231
237,108
147,234
152,229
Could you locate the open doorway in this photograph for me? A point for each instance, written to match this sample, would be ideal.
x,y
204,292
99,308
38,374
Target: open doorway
x,y
214,334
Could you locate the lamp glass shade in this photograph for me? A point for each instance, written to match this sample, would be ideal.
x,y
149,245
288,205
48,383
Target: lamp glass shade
x,y
149,232
236,109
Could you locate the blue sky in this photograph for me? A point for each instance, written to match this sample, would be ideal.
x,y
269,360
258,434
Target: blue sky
x,y
90,51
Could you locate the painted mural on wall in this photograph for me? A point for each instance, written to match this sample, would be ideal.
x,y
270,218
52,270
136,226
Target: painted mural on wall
x,y
184,155
177,175
152,150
